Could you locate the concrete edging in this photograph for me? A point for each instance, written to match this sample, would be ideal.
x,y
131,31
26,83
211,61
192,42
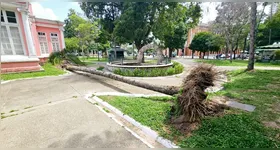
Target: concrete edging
x,y
145,129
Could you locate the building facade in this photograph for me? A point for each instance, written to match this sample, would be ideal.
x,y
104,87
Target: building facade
x,y
192,32
25,39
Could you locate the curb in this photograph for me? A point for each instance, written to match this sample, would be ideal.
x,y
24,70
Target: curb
x,y
145,129
118,122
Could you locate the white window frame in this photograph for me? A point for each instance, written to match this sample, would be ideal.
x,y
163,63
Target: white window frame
x,y
46,42
55,42
8,25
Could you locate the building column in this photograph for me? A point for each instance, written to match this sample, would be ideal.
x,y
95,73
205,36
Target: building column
x,y
62,37
27,30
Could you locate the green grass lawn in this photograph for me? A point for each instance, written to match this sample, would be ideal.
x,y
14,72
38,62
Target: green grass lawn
x,y
49,70
236,129
235,63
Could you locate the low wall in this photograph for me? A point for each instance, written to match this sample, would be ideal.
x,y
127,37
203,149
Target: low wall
x,y
13,67
131,66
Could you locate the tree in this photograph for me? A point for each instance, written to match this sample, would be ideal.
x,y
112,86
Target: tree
x,y
72,22
252,36
72,44
107,12
264,35
135,23
231,22
206,41
87,33
172,24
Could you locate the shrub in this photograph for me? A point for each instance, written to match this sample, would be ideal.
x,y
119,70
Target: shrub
x,y
154,72
55,57
170,71
100,68
277,55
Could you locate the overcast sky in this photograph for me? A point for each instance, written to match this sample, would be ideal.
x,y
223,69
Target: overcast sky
x,y
58,10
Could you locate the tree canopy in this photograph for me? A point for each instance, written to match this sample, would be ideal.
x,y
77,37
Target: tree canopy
x,y
172,24
206,41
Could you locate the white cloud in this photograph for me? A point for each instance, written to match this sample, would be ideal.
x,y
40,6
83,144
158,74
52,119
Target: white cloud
x,y
40,12
209,12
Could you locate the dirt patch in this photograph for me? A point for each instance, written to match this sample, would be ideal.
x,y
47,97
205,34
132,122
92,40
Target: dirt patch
x,y
276,107
271,124
273,86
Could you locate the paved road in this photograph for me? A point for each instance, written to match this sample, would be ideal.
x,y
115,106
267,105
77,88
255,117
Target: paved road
x,y
59,116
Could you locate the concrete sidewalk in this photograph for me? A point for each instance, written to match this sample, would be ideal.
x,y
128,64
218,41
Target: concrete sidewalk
x,y
52,113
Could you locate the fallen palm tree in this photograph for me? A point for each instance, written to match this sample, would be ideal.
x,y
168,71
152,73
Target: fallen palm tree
x,y
169,90
191,104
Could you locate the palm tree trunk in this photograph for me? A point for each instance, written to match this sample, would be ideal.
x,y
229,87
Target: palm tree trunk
x,y
169,90
252,36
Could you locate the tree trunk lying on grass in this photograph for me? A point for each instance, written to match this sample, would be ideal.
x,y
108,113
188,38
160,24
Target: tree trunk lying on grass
x,y
169,90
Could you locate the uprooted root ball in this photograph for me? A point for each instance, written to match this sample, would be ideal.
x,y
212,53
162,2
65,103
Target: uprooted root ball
x,y
192,103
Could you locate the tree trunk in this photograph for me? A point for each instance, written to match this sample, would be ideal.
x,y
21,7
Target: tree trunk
x,y
159,56
226,51
203,55
170,52
231,55
252,36
234,52
193,54
169,90
140,56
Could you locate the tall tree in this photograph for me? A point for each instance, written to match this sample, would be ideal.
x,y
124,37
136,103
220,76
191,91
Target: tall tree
x,y
71,24
107,12
231,21
172,24
135,23
253,19
205,42
264,37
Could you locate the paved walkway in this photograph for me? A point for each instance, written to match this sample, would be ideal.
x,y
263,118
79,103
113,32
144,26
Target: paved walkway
x,y
53,113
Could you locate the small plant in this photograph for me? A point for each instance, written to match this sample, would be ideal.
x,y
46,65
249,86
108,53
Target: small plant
x,y
106,110
49,102
13,111
95,103
2,113
74,96
28,107
100,68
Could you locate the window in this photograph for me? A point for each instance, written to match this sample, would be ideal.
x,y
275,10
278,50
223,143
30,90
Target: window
x,y
11,16
55,41
43,43
11,41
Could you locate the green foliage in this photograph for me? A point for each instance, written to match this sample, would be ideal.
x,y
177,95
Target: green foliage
x,y
72,44
56,57
153,72
206,41
170,26
107,12
277,55
230,131
236,63
49,70
135,23
100,68
264,30
74,59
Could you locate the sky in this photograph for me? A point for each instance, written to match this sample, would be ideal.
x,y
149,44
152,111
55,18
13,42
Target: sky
x,y
58,10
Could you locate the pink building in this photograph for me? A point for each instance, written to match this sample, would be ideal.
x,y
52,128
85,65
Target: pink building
x,y
26,40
